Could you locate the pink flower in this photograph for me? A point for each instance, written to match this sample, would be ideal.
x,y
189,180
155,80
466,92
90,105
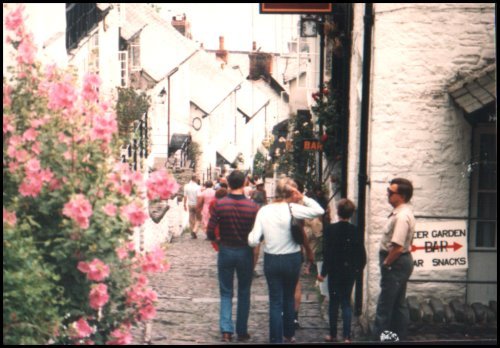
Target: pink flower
x,y
122,252
32,166
147,312
104,127
122,335
6,96
14,19
79,209
109,209
8,126
80,329
161,185
91,84
30,134
155,261
31,186
26,51
9,217
134,213
95,270
98,296
62,95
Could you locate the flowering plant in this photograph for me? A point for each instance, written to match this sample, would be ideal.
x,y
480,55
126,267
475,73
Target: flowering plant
x,y
70,273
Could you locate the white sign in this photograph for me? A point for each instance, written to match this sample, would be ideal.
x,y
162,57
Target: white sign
x,y
440,245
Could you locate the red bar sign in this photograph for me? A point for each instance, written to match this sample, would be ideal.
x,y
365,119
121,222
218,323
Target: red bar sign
x,y
312,145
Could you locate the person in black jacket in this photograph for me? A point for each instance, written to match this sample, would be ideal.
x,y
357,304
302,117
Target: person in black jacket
x,y
344,257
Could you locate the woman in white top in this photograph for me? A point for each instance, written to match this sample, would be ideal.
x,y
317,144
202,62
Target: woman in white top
x,y
282,257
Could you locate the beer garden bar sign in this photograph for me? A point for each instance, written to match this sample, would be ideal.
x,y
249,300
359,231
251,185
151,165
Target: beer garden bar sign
x,y
440,245
296,8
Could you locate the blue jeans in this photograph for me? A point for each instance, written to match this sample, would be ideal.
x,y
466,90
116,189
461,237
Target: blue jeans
x,y
241,261
392,310
340,290
282,274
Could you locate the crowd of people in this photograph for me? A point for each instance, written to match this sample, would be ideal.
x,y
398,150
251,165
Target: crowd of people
x,y
238,219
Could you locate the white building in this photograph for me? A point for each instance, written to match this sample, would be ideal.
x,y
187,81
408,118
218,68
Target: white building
x,y
431,118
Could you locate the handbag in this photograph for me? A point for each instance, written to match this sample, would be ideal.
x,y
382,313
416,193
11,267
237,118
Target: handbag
x,y
296,228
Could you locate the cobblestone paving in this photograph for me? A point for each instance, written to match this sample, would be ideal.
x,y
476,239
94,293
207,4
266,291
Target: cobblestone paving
x,y
188,300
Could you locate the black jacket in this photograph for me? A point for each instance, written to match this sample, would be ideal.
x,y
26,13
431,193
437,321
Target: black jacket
x,y
344,254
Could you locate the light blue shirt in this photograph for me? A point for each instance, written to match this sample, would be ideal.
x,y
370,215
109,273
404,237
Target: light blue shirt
x,y
273,222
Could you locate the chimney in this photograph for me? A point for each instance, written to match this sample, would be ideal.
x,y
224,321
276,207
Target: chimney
x,y
181,24
260,64
221,52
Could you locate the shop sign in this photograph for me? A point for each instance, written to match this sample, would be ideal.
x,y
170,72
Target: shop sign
x,y
440,245
312,145
296,8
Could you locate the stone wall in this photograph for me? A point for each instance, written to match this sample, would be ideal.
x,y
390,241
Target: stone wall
x,y
415,131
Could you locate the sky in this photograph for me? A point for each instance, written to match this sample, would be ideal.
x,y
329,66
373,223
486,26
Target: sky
x,y
240,24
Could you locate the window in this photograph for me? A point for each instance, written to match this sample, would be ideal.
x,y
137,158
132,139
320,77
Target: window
x,y
80,20
483,168
123,59
134,54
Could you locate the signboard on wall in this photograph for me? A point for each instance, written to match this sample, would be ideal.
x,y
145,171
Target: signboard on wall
x,y
296,8
440,245
312,145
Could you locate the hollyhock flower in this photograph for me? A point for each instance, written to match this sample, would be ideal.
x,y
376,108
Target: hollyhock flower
x,y
161,185
134,213
91,84
33,165
109,209
80,329
147,312
7,90
123,251
104,127
26,51
98,296
9,217
95,270
155,261
62,95
14,19
8,126
30,134
122,335
31,186
78,209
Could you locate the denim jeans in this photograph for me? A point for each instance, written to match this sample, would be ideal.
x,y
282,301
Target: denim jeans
x,y
282,274
392,310
241,261
340,294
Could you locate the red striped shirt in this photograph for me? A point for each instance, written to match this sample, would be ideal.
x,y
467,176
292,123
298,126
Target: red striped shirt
x,y
235,215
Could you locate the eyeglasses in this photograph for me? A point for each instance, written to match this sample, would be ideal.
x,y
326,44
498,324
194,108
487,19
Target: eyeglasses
x,y
390,192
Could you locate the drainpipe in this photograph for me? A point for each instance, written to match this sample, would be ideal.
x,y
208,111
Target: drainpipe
x,y
168,105
363,144
321,78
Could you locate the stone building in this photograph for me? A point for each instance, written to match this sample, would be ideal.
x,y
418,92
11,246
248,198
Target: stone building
x,y
429,103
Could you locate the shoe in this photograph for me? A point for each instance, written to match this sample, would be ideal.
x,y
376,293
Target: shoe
x,y
227,337
347,340
329,338
243,338
290,340
193,235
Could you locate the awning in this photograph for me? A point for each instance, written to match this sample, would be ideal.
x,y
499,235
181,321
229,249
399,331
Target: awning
x,y
178,141
475,92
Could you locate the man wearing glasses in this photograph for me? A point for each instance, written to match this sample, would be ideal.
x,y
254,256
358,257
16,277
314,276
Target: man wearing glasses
x,y
396,262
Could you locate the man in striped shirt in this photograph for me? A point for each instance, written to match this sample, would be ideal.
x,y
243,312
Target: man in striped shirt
x,y
235,215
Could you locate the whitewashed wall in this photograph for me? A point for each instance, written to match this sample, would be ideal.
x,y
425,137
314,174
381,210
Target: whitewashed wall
x,y
415,131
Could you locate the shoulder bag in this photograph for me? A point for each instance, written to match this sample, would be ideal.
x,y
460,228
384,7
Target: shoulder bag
x,y
296,228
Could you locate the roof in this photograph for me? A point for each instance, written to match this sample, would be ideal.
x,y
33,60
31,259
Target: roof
x,y
475,91
250,100
158,37
209,86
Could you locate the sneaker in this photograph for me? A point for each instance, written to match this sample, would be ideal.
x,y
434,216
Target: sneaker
x,y
290,340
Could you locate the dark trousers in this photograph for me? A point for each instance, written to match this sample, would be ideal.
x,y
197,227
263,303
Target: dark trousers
x,y
392,310
340,290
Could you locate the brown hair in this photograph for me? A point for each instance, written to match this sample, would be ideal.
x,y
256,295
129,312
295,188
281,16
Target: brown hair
x,y
405,188
345,208
283,188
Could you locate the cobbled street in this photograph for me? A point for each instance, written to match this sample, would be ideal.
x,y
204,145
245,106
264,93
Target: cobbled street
x,y
188,300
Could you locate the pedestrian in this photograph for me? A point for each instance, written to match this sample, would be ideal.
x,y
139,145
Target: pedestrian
x,y
220,193
235,215
191,191
282,256
204,199
259,196
344,258
396,262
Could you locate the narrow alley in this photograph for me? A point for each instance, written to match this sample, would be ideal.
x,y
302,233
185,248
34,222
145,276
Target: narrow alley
x,y
188,300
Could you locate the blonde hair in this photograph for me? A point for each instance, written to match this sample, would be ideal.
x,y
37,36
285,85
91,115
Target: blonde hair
x,y
283,189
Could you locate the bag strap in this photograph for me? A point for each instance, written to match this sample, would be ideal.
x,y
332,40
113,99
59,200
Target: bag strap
x,y
291,214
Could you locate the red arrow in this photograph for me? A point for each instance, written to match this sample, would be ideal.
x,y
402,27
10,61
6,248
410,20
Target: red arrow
x,y
456,246
415,248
